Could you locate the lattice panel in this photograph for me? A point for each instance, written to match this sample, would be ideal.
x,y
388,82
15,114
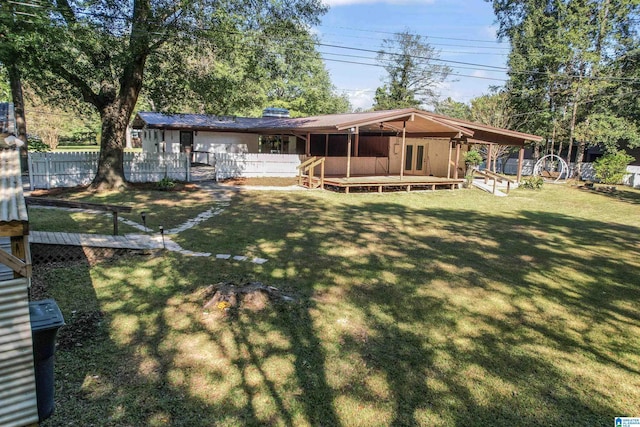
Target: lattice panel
x,y
47,254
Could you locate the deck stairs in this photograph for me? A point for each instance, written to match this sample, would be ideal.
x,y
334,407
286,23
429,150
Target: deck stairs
x,y
311,172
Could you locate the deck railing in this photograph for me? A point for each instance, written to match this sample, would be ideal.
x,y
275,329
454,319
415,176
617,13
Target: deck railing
x,y
496,177
307,167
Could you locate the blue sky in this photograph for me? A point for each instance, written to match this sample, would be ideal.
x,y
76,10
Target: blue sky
x,y
463,31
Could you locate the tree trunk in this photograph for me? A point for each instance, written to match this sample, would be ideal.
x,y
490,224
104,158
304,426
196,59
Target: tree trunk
x,y
110,174
15,82
116,108
572,129
579,157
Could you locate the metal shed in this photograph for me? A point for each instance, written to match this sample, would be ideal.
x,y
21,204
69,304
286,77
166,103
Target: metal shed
x,y
18,401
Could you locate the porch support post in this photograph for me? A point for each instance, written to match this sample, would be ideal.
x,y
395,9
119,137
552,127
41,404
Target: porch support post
x,y
357,142
326,145
449,162
520,161
349,154
490,158
457,162
307,149
404,149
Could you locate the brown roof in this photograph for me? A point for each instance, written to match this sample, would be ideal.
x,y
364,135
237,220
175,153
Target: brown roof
x,y
415,122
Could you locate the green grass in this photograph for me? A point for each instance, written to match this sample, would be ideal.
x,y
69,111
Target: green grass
x,y
439,308
169,209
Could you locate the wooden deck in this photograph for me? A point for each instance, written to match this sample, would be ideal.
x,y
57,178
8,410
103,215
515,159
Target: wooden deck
x,y
391,183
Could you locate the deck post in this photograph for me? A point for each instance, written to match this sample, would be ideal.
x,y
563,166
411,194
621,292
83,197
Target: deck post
x,y
449,162
457,162
520,161
491,160
356,150
307,148
404,149
349,154
326,145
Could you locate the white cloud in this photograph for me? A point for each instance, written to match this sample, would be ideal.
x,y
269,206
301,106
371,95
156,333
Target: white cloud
x,y
490,32
361,98
335,3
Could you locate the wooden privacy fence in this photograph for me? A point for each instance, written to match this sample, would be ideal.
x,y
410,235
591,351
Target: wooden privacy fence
x,y
234,165
50,170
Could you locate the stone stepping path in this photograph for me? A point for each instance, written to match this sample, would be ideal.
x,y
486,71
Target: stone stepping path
x,y
144,241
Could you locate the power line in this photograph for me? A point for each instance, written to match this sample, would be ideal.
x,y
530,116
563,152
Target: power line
x,y
478,67
431,43
422,35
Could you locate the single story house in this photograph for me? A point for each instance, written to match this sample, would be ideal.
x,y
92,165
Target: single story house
x,y
405,142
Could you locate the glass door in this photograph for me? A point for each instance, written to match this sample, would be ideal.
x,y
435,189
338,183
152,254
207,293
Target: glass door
x,y
415,159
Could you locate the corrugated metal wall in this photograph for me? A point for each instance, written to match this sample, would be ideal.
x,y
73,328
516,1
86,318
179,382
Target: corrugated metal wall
x,y
5,272
18,401
18,404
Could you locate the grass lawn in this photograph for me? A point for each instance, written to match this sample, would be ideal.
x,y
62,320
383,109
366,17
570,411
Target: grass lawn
x,y
169,209
433,309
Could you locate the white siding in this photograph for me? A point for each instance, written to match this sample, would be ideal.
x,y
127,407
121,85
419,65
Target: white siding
x,y
248,165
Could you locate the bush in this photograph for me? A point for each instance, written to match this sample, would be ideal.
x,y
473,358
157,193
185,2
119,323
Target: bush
x,y
165,184
472,158
38,146
532,182
612,167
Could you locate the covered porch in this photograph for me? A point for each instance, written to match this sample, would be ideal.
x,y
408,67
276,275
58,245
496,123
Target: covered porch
x,y
405,149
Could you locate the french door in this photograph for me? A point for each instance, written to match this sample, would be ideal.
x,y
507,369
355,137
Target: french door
x,y
415,158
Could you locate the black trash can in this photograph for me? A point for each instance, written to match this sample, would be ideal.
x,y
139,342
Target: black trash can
x,y
46,319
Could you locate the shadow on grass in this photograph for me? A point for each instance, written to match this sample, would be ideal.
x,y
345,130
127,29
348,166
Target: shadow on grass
x,y
406,316
622,194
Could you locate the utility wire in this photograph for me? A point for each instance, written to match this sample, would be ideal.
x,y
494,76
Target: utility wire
x,y
478,67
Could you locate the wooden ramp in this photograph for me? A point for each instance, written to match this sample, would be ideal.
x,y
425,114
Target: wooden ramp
x,y
130,241
478,183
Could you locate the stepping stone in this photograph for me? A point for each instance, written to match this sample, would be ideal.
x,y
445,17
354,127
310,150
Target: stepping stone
x,y
240,258
259,261
223,256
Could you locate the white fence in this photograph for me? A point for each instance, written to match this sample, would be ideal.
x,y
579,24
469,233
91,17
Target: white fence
x,y
587,173
50,170
632,179
233,165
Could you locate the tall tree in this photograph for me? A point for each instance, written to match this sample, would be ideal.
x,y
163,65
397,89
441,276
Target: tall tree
x,y
493,109
562,61
244,75
451,108
11,30
412,76
99,50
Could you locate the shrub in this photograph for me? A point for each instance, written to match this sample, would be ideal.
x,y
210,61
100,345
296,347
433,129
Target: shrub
x,y
532,182
612,167
165,184
38,146
472,158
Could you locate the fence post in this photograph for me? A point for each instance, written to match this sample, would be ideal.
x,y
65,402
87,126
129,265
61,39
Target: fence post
x,y
188,170
47,172
30,166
